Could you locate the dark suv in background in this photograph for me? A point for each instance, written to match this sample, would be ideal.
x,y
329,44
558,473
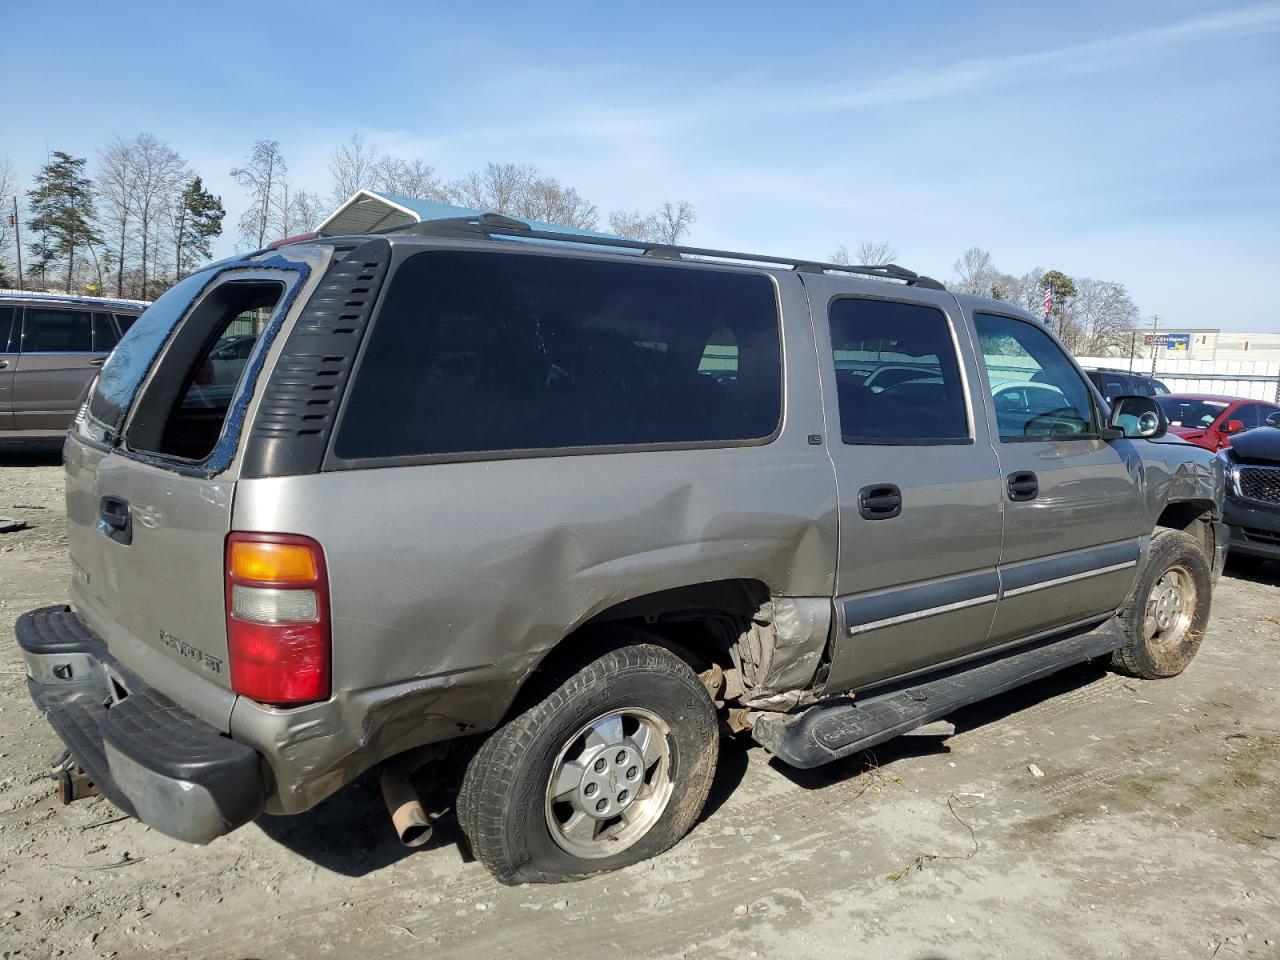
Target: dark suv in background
x,y
1123,383
51,346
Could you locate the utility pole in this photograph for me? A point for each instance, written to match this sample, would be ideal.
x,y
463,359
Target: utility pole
x,y
1155,340
17,240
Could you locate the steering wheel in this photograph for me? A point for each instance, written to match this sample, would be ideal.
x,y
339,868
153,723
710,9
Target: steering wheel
x,y
1059,422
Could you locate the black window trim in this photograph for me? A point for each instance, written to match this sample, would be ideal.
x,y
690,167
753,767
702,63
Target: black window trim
x,y
1090,391
854,441
332,462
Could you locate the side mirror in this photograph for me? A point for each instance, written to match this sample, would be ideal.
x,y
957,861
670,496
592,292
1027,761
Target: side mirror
x,y
1137,418
1274,419
1232,426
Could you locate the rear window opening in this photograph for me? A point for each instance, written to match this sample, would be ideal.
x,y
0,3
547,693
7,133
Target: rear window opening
x,y
183,409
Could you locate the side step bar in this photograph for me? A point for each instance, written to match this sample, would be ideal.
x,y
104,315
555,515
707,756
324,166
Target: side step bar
x,y
838,728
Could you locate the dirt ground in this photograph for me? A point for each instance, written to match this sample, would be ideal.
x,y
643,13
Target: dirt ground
x,y
1154,831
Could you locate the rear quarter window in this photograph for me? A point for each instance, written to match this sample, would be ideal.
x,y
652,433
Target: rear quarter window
x,y
475,353
129,362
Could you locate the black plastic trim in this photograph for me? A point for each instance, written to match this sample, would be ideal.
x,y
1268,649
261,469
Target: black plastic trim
x,y
172,746
838,728
299,405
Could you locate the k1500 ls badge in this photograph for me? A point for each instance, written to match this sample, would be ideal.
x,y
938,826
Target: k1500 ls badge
x,y
209,662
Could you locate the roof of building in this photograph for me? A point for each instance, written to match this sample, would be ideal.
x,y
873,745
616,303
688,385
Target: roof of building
x,y
371,211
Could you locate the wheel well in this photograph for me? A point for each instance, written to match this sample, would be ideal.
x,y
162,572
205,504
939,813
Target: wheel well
x,y
1193,517
700,621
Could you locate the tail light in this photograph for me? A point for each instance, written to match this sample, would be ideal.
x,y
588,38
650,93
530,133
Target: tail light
x,y
277,618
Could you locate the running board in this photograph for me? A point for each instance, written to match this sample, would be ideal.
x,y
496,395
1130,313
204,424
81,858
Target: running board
x,y
829,731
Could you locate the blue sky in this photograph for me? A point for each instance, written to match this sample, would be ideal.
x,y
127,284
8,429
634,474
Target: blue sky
x,y
1131,140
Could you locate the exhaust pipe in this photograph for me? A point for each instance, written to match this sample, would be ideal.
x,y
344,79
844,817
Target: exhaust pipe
x,y
408,817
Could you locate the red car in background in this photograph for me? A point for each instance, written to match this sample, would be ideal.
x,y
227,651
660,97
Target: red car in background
x,y
1209,421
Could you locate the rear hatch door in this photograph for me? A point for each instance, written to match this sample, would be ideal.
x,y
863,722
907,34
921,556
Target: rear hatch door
x,y
151,478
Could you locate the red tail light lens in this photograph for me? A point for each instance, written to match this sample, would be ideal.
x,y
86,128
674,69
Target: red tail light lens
x,y
277,599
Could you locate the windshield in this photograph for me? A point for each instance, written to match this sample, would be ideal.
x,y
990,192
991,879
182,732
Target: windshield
x,y
129,361
1197,414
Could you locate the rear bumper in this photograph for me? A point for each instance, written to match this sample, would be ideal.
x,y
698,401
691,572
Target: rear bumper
x,y
146,754
1254,531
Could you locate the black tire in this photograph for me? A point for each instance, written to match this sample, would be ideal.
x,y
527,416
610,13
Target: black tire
x,y
1165,654
504,807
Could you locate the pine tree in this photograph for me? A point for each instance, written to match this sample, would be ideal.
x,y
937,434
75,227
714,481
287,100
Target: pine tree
x,y
62,216
197,222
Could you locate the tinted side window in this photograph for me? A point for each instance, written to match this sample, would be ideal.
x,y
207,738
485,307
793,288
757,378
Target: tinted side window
x,y
897,378
47,330
477,352
124,321
6,323
1036,390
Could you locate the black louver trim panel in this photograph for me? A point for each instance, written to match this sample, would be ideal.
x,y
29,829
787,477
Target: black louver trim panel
x,y
300,404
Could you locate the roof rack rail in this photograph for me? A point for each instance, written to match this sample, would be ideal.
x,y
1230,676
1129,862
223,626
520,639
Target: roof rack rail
x,y
488,225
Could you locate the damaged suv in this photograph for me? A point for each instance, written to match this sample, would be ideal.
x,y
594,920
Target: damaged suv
x,y
567,508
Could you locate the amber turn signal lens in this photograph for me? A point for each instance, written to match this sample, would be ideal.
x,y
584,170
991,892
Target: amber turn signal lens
x,y
272,562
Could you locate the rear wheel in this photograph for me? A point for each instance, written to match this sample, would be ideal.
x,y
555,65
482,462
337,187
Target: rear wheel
x,y
611,767
1167,614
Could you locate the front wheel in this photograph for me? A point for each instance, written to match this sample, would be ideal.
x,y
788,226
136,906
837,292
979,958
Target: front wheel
x,y
610,768
1166,617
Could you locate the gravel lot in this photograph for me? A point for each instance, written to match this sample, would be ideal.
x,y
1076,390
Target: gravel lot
x,y
1153,832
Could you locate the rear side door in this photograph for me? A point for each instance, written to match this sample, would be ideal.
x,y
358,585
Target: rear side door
x,y
60,352
8,360
1075,514
918,485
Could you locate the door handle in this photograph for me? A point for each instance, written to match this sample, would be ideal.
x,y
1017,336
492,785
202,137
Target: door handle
x,y
879,501
3,364
115,520
97,361
1023,486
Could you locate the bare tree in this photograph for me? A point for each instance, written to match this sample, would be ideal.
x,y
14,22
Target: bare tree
x,y
352,165
261,177
158,175
668,224
117,197
870,253
674,220
1105,315
519,190
8,190
302,212
406,178
975,271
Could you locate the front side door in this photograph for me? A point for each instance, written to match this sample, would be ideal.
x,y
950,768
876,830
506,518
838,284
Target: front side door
x,y
8,360
61,350
1074,508
917,480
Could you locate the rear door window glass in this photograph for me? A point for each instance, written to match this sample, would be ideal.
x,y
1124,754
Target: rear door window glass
x,y
1037,392
46,330
897,377
473,353
124,321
